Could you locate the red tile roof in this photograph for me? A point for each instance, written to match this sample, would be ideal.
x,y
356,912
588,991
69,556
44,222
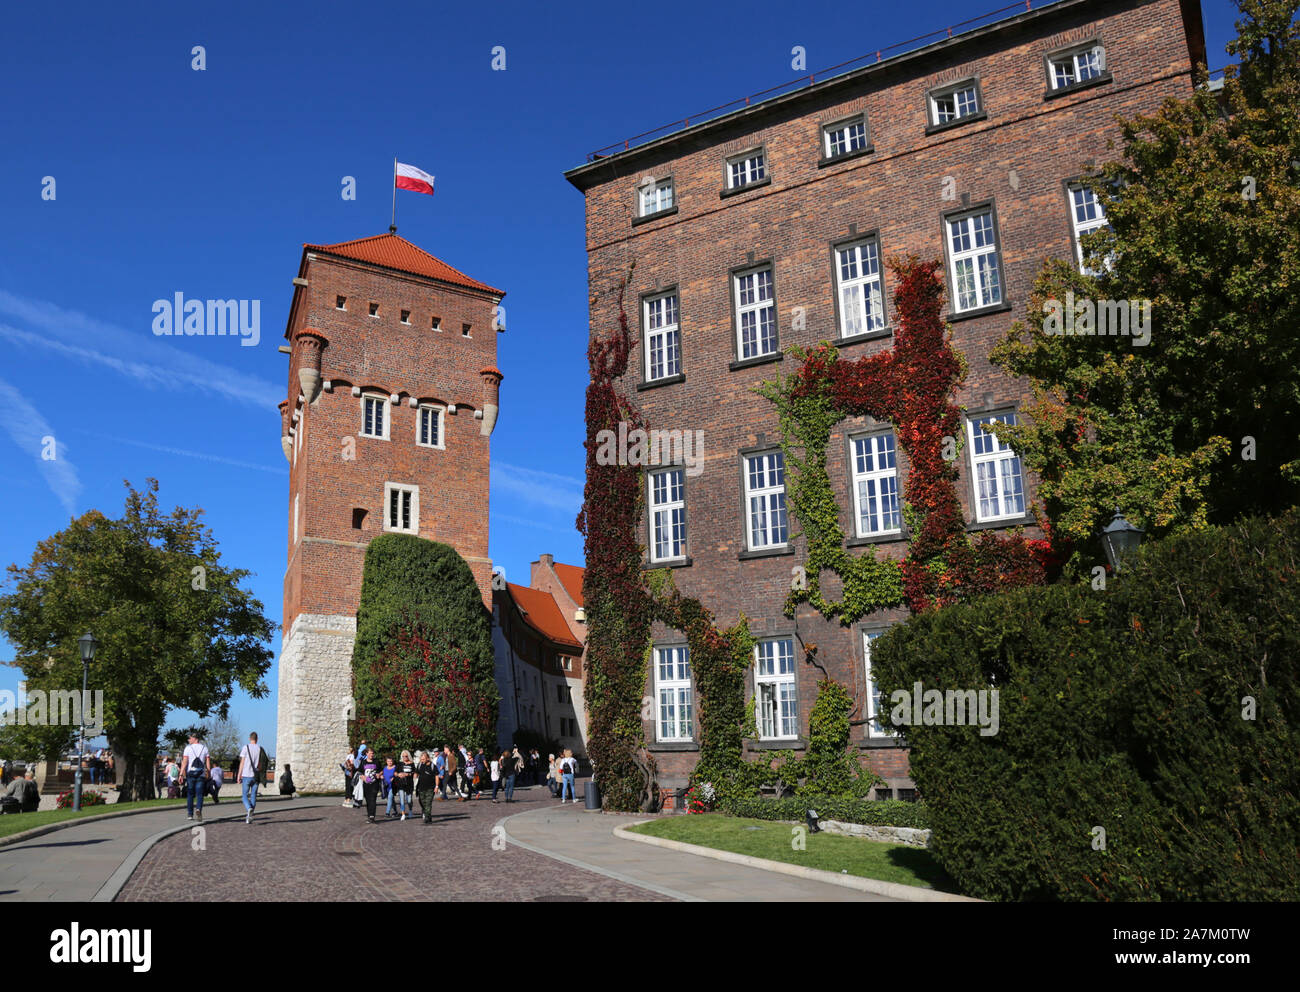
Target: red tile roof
x,y
542,614
570,577
393,252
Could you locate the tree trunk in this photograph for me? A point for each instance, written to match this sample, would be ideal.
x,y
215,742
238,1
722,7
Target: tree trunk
x,y
137,757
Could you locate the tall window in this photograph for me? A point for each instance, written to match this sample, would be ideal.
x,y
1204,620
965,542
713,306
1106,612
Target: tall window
x,y
676,721
953,104
875,485
765,500
1086,215
428,431
1075,67
999,479
755,314
973,254
857,273
747,169
663,347
402,508
656,196
877,708
847,136
774,686
667,515
295,518
374,422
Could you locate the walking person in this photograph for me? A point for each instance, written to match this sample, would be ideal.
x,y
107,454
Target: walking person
x,y
349,767
404,784
197,763
552,776
173,773
449,772
371,779
510,767
426,783
471,776
386,774
494,771
440,764
287,787
215,782
568,769
250,760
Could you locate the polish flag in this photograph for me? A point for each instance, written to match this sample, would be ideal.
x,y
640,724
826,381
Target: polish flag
x,y
409,177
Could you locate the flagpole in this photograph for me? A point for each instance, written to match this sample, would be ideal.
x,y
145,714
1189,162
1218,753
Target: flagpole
x,y
392,227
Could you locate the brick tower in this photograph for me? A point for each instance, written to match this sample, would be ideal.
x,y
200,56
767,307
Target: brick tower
x,y
392,398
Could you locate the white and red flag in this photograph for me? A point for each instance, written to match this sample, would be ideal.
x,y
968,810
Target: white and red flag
x,y
409,177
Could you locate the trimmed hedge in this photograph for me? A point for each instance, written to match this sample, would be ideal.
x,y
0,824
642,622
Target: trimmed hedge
x,y
884,813
1126,709
422,665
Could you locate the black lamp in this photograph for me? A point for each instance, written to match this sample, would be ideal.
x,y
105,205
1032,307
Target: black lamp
x,y
87,644
1118,538
812,819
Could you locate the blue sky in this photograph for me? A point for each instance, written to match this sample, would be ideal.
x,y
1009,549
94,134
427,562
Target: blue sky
x,y
208,182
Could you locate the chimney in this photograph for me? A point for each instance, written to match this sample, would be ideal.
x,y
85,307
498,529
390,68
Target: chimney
x,y
286,442
311,342
491,393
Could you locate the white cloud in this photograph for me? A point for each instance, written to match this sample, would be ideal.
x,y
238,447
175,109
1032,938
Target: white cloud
x,y
22,422
555,492
202,455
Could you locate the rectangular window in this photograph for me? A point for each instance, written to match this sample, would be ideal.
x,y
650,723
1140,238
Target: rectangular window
x,y
875,485
744,170
841,139
295,518
973,255
667,515
654,197
1075,67
765,501
877,710
998,477
675,720
340,302
1086,215
663,348
406,316
857,275
374,421
755,314
566,664
954,103
402,509
435,323
774,686
429,427
374,309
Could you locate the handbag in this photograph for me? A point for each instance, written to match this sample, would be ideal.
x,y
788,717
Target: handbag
x,y
358,790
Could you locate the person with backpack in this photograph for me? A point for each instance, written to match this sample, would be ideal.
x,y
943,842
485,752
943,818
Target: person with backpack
x,y
173,775
250,760
568,769
197,763
287,787
426,783
216,780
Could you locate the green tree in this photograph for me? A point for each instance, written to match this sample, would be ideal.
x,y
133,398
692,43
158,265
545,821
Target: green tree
x,y
175,630
1200,425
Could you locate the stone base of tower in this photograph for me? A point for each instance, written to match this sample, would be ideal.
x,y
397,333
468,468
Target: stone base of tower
x,y
315,700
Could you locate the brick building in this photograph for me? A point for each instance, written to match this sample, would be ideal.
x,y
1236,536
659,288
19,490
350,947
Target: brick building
x,y
539,636
392,399
769,226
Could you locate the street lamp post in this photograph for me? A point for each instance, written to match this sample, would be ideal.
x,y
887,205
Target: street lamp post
x,y
1118,538
87,643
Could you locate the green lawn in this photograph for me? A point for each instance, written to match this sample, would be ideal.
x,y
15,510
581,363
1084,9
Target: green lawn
x,y
827,852
18,822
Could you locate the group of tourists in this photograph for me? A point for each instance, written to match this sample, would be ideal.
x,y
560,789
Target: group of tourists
x,y
429,776
200,777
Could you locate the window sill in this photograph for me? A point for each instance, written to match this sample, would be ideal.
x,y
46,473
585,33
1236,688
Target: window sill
x,y
836,159
766,553
979,115
781,744
870,743
745,363
671,380
892,538
670,746
848,342
647,218
1101,80
647,566
734,190
1008,523
954,318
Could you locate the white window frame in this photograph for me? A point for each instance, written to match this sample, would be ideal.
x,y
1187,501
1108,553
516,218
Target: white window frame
x,y
998,455
962,234
851,142
780,726
1093,57
758,308
1081,196
765,497
966,86
674,701
877,708
566,663
874,448
441,421
656,197
671,510
655,312
383,404
296,507
400,487
865,291
747,169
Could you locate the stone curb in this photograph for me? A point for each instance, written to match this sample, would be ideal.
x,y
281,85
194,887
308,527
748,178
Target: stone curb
x,y
48,828
893,890
502,824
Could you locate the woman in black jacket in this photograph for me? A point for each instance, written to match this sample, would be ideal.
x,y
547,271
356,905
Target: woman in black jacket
x,y
426,783
286,783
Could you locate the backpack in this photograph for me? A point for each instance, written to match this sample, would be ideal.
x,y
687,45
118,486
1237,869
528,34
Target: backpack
x,y
197,766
